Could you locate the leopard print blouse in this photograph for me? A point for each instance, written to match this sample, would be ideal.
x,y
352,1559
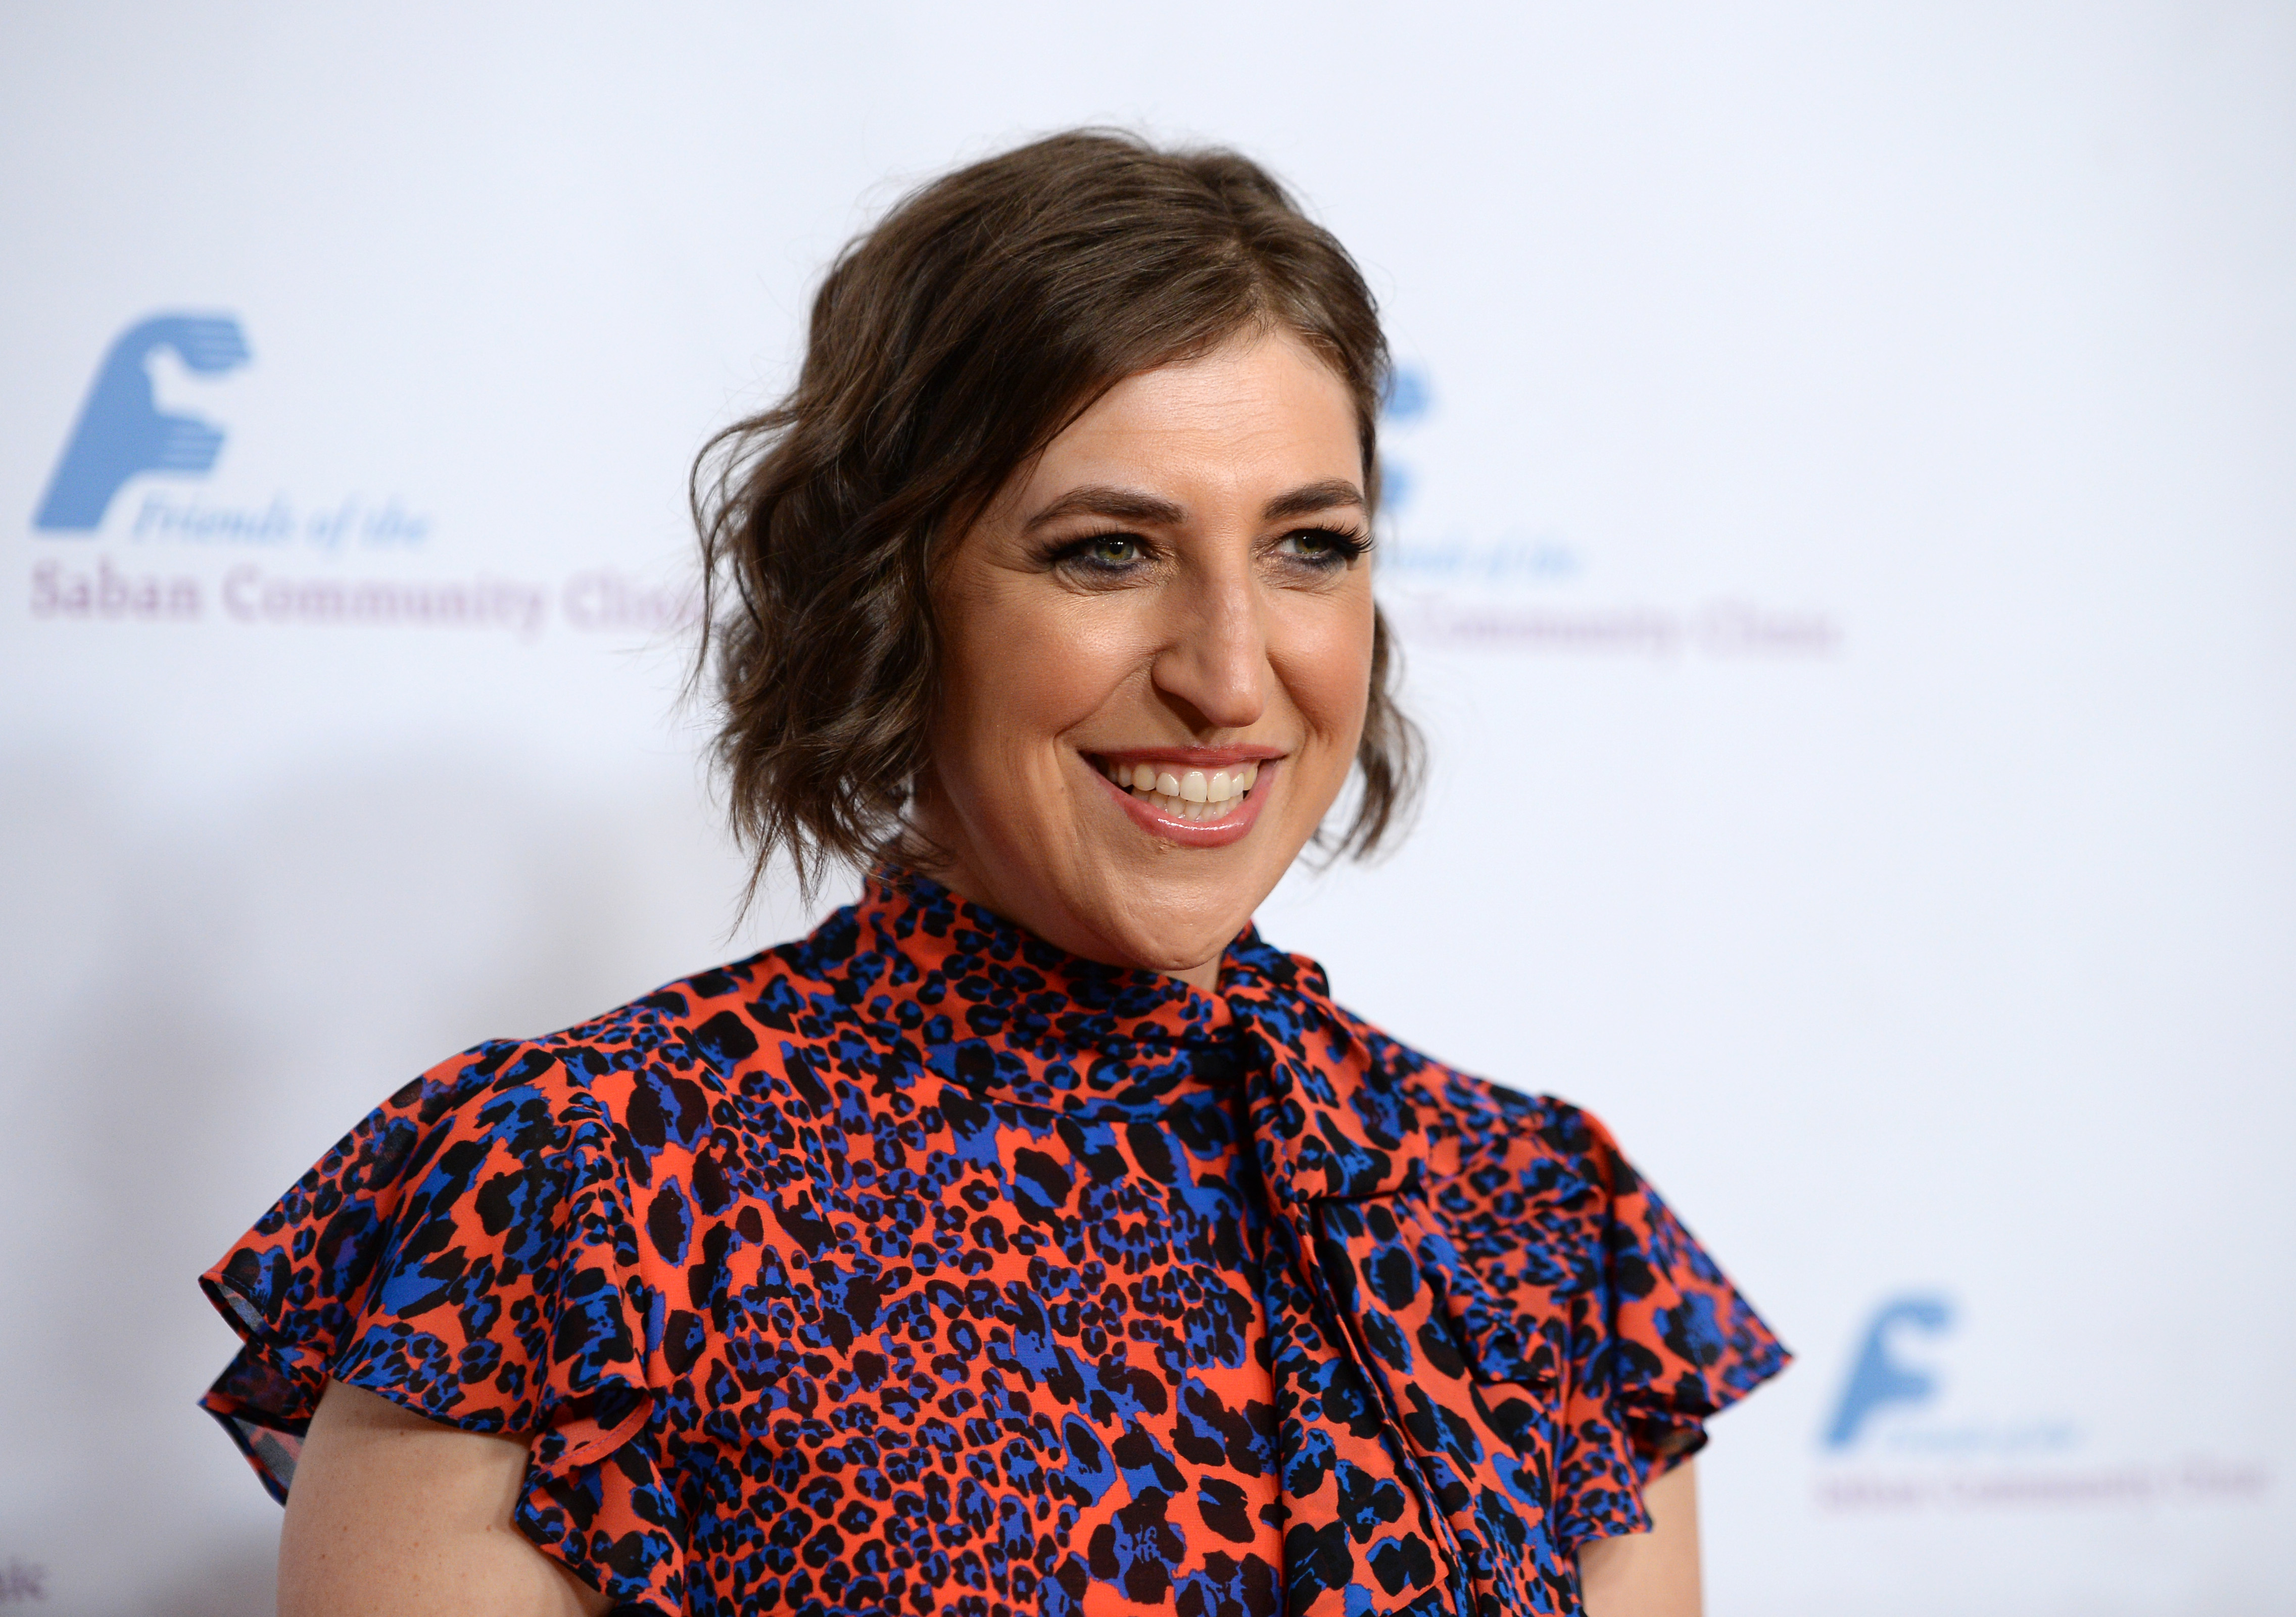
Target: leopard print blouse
x,y
920,1266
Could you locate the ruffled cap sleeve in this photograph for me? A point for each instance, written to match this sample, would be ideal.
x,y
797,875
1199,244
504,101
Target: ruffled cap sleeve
x,y
1660,1341
466,1253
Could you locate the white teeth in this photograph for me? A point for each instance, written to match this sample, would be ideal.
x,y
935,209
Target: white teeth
x,y
1180,808
1191,794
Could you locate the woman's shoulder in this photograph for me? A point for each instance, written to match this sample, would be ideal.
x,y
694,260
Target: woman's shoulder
x,y
669,1050
1475,1125
613,1105
520,1168
1545,1208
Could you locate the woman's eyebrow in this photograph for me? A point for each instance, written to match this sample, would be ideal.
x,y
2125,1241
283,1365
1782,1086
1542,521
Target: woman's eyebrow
x,y
1136,505
1099,500
1314,497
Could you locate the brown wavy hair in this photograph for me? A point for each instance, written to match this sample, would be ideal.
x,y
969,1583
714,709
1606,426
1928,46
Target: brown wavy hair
x,y
947,346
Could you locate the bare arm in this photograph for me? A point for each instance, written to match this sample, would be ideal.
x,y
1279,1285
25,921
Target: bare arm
x,y
1653,1573
394,1516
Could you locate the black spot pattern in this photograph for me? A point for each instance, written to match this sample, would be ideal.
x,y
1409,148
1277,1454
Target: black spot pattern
x,y
919,1267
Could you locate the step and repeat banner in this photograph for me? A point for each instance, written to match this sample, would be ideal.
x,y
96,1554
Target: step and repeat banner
x,y
1843,537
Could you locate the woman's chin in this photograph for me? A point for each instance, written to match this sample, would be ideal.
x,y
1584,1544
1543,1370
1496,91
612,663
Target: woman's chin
x,y
1178,951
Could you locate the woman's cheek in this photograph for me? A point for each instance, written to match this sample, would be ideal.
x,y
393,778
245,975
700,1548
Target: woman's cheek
x,y
1332,677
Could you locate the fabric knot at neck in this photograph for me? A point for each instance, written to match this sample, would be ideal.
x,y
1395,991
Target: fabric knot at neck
x,y
1399,1492
1327,1120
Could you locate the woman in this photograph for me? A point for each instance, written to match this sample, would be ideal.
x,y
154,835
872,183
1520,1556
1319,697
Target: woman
x,y
1033,1236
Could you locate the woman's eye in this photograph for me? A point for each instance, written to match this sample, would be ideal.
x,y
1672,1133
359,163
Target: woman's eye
x,y
1322,547
1106,552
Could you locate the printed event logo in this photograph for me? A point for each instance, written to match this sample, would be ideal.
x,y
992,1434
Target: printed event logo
x,y
122,430
194,554
1405,400
1452,580
1878,1377
1413,561
1901,1435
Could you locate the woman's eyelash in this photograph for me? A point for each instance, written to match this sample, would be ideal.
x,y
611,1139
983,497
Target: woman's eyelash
x,y
1336,543
1351,545
1080,548
1342,541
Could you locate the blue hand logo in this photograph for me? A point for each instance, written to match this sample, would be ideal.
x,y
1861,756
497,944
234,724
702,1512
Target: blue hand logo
x,y
1407,395
1878,1378
122,431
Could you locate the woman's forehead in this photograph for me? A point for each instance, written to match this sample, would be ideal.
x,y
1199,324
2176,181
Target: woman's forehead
x,y
1262,415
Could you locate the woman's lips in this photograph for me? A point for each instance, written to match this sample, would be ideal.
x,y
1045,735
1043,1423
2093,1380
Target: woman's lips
x,y
1199,796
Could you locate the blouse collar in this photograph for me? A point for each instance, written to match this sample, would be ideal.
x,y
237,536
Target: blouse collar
x,y
934,936
1329,1114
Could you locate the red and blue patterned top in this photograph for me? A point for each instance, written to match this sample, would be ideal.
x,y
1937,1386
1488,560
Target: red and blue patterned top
x,y
921,1267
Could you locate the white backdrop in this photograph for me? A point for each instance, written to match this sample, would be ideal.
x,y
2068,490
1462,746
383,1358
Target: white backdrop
x,y
1844,550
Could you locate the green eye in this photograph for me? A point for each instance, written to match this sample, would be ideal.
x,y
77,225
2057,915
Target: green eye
x,y
1105,557
1323,548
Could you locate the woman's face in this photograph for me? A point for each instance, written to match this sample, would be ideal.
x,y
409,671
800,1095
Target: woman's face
x,y
1156,649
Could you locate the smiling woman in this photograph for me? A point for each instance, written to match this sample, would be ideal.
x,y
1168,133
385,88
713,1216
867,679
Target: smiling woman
x,y
1033,1236
1176,588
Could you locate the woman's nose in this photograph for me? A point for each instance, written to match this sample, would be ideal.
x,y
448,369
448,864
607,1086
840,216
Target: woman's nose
x,y
1214,660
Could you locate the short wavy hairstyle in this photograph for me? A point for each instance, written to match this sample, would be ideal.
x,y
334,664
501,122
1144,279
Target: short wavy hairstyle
x,y
947,346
